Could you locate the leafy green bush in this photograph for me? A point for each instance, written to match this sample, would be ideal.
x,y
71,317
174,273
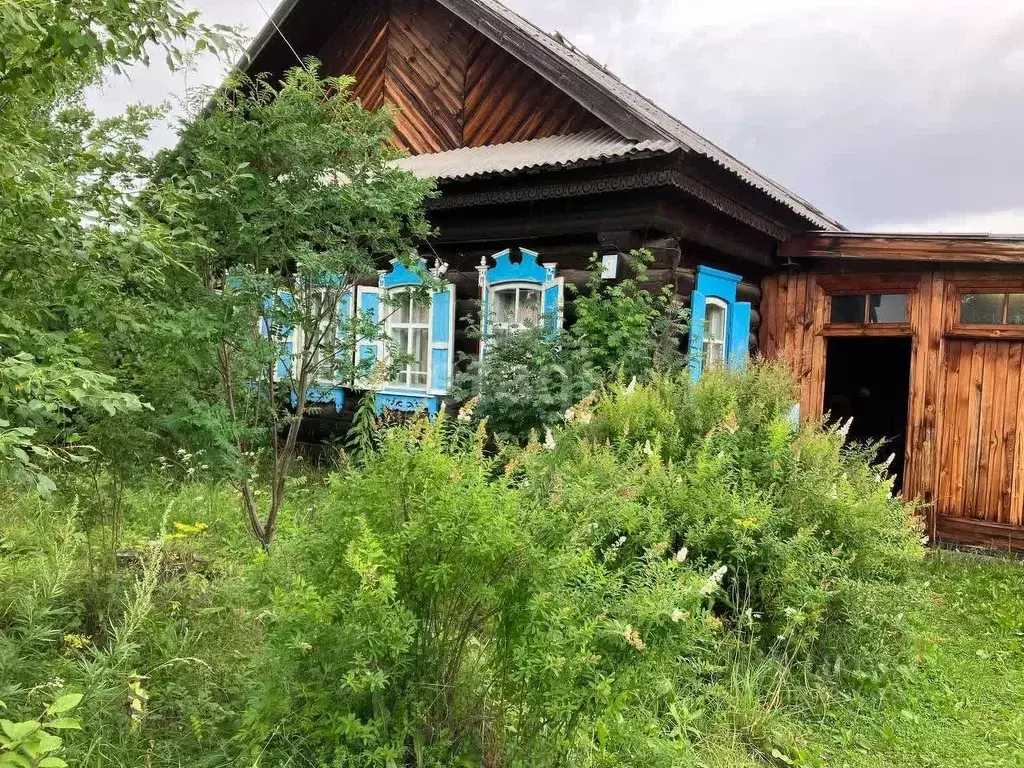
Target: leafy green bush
x,y
807,530
437,611
621,328
528,379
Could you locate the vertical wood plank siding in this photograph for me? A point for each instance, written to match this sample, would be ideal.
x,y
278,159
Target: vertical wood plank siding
x,y
965,430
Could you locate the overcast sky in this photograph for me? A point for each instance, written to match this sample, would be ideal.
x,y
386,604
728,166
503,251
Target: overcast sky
x,y
887,114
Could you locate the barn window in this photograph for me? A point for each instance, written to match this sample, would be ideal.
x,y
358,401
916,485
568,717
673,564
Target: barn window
x,y
719,325
861,308
518,294
992,308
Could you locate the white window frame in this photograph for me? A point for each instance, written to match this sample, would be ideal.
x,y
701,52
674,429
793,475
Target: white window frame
x,y
711,344
517,325
332,326
390,324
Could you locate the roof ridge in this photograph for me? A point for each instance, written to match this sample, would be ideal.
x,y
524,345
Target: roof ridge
x,y
564,65
651,114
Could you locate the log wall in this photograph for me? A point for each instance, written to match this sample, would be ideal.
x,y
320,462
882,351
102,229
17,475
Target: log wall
x,y
670,267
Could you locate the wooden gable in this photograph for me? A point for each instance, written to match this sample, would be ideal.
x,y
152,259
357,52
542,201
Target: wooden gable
x,y
449,85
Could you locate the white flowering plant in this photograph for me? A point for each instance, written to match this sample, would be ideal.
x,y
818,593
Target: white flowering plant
x,y
807,548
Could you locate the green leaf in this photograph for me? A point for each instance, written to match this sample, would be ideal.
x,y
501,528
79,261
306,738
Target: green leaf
x,y
14,760
19,731
48,742
65,703
51,762
64,723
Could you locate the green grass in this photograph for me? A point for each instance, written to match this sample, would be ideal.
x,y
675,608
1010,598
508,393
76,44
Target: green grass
x,y
958,700
959,703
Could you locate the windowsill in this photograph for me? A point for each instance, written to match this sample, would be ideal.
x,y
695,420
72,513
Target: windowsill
x,y
388,389
1005,332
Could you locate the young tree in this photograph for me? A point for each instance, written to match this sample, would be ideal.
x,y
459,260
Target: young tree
x,y
72,249
296,200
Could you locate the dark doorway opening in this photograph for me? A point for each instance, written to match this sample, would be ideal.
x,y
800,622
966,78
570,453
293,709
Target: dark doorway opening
x,y
868,378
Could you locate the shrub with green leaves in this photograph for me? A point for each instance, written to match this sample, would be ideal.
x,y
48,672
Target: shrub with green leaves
x,y
807,529
528,379
436,612
33,743
621,328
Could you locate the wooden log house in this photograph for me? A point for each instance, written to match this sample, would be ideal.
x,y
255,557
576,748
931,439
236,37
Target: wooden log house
x,y
544,158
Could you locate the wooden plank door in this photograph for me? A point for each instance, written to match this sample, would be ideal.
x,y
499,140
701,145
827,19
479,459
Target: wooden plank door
x,y
981,454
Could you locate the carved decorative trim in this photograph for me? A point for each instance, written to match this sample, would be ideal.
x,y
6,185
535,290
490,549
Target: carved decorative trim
x,y
407,403
527,193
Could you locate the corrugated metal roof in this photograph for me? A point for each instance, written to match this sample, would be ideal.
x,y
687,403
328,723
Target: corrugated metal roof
x,y
553,151
643,108
581,77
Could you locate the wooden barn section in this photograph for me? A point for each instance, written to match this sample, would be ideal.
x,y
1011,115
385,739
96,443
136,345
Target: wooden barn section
x,y
923,335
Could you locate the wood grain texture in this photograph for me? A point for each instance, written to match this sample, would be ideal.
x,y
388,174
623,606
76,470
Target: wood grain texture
x,y
359,48
1006,250
449,86
506,101
965,426
425,78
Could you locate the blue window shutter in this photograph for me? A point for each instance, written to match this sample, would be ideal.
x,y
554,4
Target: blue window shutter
x,y
739,334
442,340
698,302
552,305
368,351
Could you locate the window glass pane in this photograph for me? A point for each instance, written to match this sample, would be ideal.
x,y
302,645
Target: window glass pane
x,y
323,336
419,312
504,309
887,308
399,307
714,322
400,336
1015,309
714,335
419,349
848,309
529,307
985,308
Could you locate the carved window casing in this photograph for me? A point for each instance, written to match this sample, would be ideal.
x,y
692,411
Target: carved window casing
x,y
719,325
418,350
515,295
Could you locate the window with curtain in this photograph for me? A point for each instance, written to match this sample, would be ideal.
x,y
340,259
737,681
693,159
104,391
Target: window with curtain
x,y
719,324
408,326
515,307
326,312
715,316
